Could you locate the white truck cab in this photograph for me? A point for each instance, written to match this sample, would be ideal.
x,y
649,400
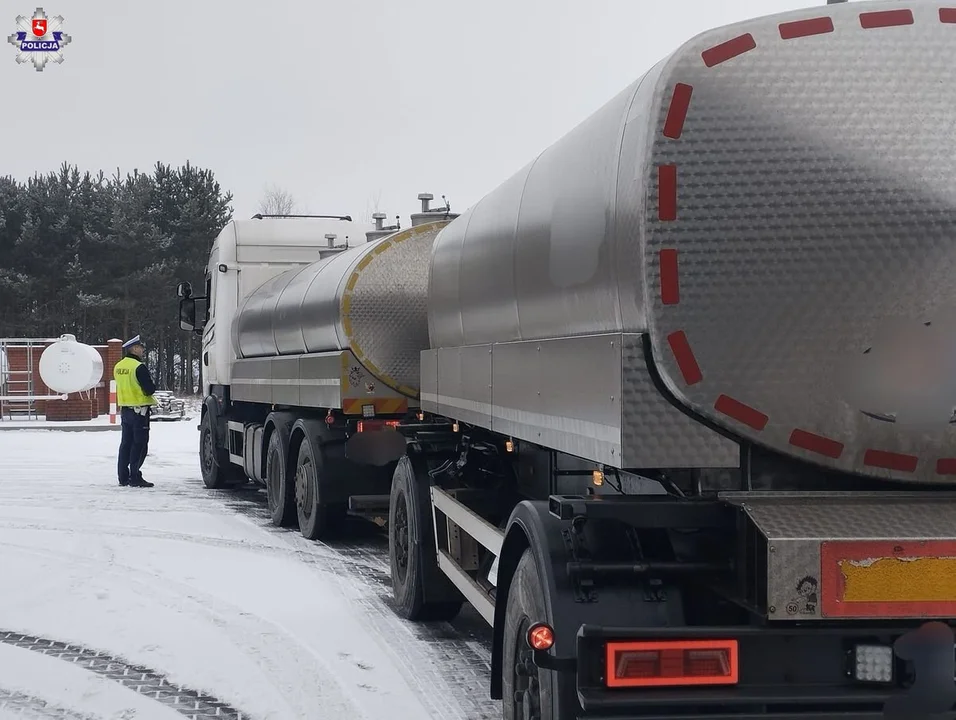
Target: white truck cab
x,y
246,254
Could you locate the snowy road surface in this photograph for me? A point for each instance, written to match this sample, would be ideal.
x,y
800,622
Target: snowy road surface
x,y
177,601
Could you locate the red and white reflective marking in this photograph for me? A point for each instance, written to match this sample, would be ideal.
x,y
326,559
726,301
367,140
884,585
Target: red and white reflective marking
x,y
667,199
728,50
805,28
112,402
886,18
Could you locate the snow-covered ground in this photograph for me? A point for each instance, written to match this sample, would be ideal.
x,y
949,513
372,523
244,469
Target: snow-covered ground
x,y
175,601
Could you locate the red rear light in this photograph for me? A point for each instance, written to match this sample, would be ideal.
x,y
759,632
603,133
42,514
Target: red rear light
x,y
668,663
541,636
372,425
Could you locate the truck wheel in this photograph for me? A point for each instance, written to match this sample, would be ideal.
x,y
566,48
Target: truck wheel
x,y
411,550
279,488
315,520
217,471
527,691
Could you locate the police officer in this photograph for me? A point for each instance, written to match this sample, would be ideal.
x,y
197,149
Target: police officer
x,y
134,397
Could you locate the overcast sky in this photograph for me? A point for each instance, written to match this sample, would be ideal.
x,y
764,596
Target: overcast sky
x,y
341,103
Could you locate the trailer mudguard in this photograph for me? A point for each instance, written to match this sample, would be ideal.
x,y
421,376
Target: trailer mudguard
x,y
531,525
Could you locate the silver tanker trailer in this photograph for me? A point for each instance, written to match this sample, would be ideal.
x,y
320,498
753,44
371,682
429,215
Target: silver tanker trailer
x,y
653,426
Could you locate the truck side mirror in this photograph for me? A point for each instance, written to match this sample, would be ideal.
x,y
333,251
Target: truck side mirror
x,y
184,290
187,314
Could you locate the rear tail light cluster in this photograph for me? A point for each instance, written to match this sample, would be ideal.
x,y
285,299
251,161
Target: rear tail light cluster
x,y
372,425
670,663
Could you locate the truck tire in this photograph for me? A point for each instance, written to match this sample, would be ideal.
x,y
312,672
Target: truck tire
x,y
525,695
280,490
316,520
217,471
411,550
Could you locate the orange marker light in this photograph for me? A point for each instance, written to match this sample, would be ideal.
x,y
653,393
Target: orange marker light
x,y
541,636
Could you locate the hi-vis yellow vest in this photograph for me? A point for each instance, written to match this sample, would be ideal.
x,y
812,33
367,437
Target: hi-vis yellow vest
x,y
128,391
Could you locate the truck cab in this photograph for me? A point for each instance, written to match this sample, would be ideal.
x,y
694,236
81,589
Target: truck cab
x,y
246,254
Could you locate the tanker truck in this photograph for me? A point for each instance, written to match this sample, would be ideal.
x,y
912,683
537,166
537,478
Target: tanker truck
x,y
657,432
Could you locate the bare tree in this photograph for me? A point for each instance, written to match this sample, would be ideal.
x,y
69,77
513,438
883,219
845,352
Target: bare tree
x,y
372,205
277,201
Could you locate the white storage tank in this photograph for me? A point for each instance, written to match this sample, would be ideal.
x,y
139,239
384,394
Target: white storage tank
x,y
68,366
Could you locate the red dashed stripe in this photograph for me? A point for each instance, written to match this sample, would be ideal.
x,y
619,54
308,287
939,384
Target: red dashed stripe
x,y
886,18
890,460
946,466
947,15
805,28
816,443
670,279
667,210
728,50
740,412
677,112
667,192
685,357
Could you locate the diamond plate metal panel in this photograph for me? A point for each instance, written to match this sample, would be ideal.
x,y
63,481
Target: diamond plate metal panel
x,y
814,199
657,434
384,307
795,525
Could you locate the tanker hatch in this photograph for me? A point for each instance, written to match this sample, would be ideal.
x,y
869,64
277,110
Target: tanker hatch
x,y
331,248
429,214
381,230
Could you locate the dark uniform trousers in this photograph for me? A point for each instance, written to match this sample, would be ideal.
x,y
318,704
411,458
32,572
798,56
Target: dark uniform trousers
x,y
134,444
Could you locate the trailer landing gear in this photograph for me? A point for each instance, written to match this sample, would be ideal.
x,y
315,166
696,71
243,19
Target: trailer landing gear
x,y
420,590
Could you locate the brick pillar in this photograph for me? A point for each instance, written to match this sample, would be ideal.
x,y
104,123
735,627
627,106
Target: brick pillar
x,y
114,353
39,388
102,404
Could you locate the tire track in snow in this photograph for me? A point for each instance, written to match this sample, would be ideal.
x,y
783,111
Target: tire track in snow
x,y
445,664
267,644
33,708
461,668
142,680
